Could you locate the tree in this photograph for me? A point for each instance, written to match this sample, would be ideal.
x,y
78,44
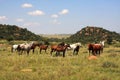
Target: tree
x,y
10,38
109,39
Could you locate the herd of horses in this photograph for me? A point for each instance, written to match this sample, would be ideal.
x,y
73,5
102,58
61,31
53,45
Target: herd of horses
x,y
57,48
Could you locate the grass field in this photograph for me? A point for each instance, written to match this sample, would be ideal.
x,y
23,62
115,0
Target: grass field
x,y
46,67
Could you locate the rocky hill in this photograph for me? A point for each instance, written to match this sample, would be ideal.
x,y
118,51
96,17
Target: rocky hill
x,y
16,33
93,34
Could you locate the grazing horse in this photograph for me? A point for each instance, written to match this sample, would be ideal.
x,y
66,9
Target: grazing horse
x,y
43,47
75,47
14,47
61,49
96,48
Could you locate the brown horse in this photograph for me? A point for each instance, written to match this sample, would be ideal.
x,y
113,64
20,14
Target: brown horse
x,y
90,48
43,47
59,48
95,48
34,45
54,47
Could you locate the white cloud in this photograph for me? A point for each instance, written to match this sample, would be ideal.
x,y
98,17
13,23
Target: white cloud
x,y
27,5
36,13
2,18
31,24
54,16
64,11
19,20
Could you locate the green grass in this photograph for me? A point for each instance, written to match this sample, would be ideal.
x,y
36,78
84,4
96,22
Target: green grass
x,y
46,67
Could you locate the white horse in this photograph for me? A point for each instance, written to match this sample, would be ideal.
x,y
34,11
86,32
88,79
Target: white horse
x,y
25,47
102,43
14,47
75,47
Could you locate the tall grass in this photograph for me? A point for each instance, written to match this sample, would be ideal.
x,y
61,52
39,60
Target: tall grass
x,y
46,67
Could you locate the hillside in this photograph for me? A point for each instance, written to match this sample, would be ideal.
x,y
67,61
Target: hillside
x,y
17,33
93,34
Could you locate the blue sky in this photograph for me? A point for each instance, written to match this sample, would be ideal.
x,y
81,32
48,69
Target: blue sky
x,y
60,16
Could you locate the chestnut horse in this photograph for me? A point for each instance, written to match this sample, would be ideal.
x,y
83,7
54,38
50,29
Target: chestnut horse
x,y
53,47
96,48
61,49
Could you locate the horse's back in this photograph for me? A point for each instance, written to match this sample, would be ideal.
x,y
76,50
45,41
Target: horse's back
x,y
97,46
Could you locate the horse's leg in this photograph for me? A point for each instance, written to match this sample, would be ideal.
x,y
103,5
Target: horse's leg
x,y
45,50
73,52
56,53
63,53
28,52
51,51
76,52
40,51
94,52
33,50
99,52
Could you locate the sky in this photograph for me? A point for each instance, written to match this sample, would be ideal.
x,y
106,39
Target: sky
x,y
60,16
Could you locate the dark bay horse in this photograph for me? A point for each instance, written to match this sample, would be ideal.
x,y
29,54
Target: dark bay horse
x,y
43,47
34,45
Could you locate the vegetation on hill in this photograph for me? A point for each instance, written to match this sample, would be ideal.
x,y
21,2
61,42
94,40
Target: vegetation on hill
x,y
93,34
85,35
13,32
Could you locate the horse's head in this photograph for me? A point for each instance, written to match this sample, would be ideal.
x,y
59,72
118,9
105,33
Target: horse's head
x,y
67,45
102,43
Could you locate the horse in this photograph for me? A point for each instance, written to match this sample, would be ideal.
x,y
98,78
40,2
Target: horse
x,y
76,50
96,48
43,47
34,44
14,47
61,49
53,47
24,47
75,47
